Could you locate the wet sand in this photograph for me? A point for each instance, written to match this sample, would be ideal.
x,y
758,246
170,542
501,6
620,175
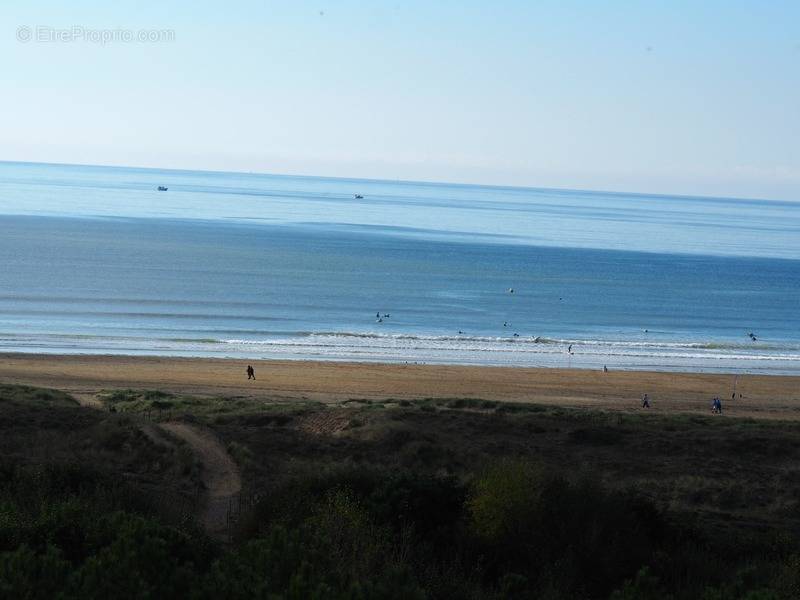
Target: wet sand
x,y
86,376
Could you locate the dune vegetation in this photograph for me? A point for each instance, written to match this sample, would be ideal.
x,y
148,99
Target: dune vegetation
x,y
437,498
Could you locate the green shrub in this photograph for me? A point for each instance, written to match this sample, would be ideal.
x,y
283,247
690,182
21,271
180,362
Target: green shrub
x,y
645,586
532,521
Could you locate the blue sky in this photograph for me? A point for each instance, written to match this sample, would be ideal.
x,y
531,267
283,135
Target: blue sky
x,y
667,97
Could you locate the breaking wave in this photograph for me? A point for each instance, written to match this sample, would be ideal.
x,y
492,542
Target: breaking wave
x,y
441,349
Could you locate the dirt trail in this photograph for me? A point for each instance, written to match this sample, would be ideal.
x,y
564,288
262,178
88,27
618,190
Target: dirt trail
x,y
220,474
87,399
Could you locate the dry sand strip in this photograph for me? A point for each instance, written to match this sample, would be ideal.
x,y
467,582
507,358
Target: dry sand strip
x,y
220,475
763,396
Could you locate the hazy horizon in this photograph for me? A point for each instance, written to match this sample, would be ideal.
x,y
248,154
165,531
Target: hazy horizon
x,y
640,192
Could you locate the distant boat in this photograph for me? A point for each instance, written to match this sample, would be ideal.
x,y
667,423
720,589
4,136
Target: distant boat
x,y
358,196
162,188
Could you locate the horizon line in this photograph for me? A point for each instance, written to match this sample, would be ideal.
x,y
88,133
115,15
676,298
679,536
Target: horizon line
x,y
404,181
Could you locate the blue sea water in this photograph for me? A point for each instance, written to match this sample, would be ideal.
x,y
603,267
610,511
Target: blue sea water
x,y
96,260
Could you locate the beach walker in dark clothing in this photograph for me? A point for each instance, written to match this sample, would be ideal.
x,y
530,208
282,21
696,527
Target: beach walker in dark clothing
x,y
646,401
251,374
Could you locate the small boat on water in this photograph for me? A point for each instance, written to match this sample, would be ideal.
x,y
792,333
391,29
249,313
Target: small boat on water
x,y
162,188
358,196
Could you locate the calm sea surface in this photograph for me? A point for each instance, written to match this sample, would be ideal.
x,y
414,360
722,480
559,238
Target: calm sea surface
x,y
96,260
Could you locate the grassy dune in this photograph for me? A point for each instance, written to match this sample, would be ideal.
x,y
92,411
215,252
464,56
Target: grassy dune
x,y
363,498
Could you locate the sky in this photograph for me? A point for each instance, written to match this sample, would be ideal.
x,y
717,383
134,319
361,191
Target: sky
x,y
663,97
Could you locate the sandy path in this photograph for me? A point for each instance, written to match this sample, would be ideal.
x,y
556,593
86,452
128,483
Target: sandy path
x,y
88,400
220,475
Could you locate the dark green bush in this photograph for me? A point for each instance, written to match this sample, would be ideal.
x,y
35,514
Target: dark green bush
x,y
534,522
515,531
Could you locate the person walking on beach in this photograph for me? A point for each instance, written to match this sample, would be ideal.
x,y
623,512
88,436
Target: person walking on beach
x,y
716,406
645,401
251,374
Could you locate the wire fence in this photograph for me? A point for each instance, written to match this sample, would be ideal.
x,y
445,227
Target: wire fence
x,y
157,414
238,507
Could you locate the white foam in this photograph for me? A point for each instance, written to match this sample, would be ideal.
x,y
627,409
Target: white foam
x,y
444,349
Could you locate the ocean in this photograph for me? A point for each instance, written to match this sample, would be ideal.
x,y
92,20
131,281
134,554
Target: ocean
x,y
95,260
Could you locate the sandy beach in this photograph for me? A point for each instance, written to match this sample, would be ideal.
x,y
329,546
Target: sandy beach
x,y
776,397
